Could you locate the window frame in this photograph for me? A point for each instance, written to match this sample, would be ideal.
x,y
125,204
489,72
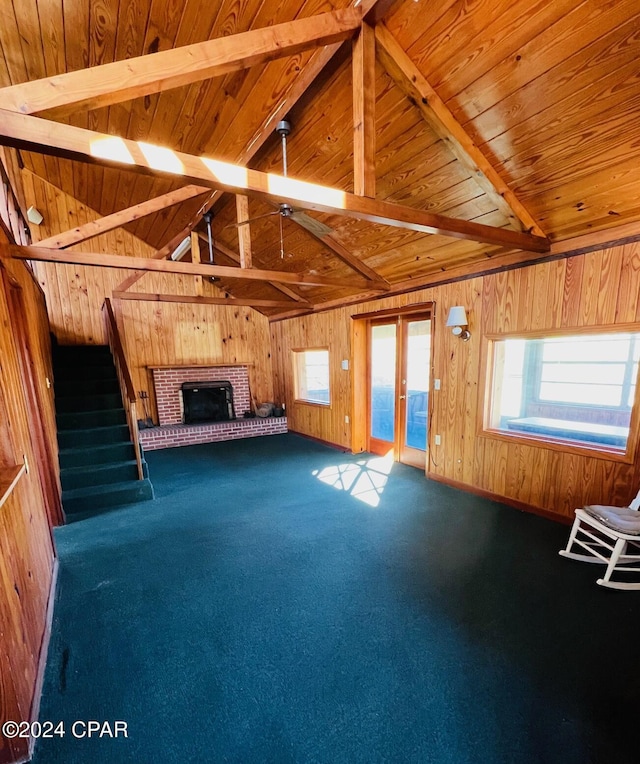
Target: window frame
x,y
535,362
486,388
295,352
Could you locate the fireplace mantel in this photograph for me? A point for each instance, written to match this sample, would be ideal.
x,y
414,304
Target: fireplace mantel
x,y
202,365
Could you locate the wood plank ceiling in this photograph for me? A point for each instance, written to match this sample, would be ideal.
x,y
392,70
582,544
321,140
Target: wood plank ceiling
x,y
549,93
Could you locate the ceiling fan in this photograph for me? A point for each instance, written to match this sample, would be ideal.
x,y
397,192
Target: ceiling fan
x,y
285,210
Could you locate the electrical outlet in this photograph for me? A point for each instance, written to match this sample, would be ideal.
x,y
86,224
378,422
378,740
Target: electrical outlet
x,y
436,384
346,419
438,440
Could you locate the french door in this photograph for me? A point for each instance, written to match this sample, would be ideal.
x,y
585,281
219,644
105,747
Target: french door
x,y
399,352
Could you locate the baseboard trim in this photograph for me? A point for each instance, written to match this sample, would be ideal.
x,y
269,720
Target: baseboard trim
x,y
335,446
44,651
522,506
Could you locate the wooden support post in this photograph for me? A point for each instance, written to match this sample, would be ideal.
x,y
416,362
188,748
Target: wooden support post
x,y
364,117
195,258
244,231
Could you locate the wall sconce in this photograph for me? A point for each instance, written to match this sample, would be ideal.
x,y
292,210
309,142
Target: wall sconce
x,y
457,320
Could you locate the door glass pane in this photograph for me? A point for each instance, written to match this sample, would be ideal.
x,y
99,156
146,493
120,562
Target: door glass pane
x,y
383,381
418,354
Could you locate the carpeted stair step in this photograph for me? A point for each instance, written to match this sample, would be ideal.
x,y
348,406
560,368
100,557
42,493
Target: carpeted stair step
x,y
84,354
69,403
96,475
93,436
87,419
80,387
96,455
97,458
111,495
87,373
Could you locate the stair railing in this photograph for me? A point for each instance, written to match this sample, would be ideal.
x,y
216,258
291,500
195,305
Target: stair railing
x,y
124,378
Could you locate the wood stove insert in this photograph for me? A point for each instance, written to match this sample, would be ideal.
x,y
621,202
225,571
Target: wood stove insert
x,y
207,402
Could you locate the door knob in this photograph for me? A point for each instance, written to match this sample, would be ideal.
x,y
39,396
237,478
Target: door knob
x,y
402,397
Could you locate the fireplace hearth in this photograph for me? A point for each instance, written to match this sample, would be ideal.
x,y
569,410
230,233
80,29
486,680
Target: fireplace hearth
x,y
207,402
174,432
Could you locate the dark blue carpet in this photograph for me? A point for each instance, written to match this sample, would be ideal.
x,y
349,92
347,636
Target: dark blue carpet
x,y
256,613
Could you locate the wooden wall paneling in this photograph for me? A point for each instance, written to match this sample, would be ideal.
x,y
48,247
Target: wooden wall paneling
x,y
169,333
578,291
626,309
572,291
590,289
525,296
15,749
549,313
26,548
609,287
489,288
515,473
33,366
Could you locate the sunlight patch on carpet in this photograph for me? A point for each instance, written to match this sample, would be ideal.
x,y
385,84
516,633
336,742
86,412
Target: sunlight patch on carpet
x,y
364,480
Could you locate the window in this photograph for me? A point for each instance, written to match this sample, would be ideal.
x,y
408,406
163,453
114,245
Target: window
x,y
579,389
311,374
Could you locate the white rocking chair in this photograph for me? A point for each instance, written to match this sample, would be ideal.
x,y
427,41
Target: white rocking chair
x,y
609,536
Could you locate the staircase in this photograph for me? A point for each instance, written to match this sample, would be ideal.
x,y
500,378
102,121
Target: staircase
x,y
97,459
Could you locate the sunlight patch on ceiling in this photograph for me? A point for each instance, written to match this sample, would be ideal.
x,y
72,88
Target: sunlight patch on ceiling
x,y
160,158
303,191
227,173
111,148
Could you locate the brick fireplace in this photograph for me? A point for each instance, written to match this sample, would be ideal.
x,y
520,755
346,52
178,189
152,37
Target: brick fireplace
x,y
173,432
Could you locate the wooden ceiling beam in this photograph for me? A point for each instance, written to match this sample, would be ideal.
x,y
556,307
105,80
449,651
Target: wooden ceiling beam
x,y
131,78
302,82
49,137
364,112
436,113
169,266
199,300
121,218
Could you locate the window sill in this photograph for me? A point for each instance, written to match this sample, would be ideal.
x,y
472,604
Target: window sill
x,y
319,404
593,435
557,444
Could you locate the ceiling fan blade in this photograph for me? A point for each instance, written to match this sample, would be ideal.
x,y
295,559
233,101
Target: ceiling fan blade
x,y
252,220
311,224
